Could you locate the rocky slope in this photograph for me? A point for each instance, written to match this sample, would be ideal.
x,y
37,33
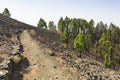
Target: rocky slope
x,y
31,54
55,65
10,45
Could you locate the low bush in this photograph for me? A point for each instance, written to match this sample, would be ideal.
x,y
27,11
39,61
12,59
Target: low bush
x,y
65,46
16,59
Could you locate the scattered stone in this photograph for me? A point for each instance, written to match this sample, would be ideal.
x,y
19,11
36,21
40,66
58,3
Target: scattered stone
x,y
10,45
53,53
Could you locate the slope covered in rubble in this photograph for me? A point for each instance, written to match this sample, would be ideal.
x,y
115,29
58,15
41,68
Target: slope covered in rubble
x,y
28,53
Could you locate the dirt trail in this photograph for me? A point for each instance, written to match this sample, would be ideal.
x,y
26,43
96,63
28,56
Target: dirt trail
x,y
42,66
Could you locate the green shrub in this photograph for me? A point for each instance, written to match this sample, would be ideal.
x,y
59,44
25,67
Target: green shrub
x,y
65,46
107,61
16,59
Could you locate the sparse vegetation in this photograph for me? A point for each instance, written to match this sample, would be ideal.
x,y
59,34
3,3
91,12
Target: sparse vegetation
x,y
50,56
6,12
41,24
101,41
65,46
80,43
52,26
16,59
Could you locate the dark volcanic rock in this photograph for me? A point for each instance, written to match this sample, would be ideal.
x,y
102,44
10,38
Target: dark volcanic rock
x,y
10,44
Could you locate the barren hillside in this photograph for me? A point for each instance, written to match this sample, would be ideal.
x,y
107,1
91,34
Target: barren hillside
x,y
42,56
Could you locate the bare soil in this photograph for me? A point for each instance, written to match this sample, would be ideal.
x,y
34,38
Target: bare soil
x,y
42,65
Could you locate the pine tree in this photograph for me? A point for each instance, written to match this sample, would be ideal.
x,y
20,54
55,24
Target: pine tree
x,y
51,26
104,49
6,12
41,24
61,24
80,43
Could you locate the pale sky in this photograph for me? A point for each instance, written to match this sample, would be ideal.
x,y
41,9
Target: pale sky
x,y
30,11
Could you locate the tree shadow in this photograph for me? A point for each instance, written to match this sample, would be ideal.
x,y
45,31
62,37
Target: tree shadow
x,y
20,69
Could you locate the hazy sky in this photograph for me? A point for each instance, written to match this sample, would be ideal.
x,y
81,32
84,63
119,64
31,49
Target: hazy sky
x,y
30,11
